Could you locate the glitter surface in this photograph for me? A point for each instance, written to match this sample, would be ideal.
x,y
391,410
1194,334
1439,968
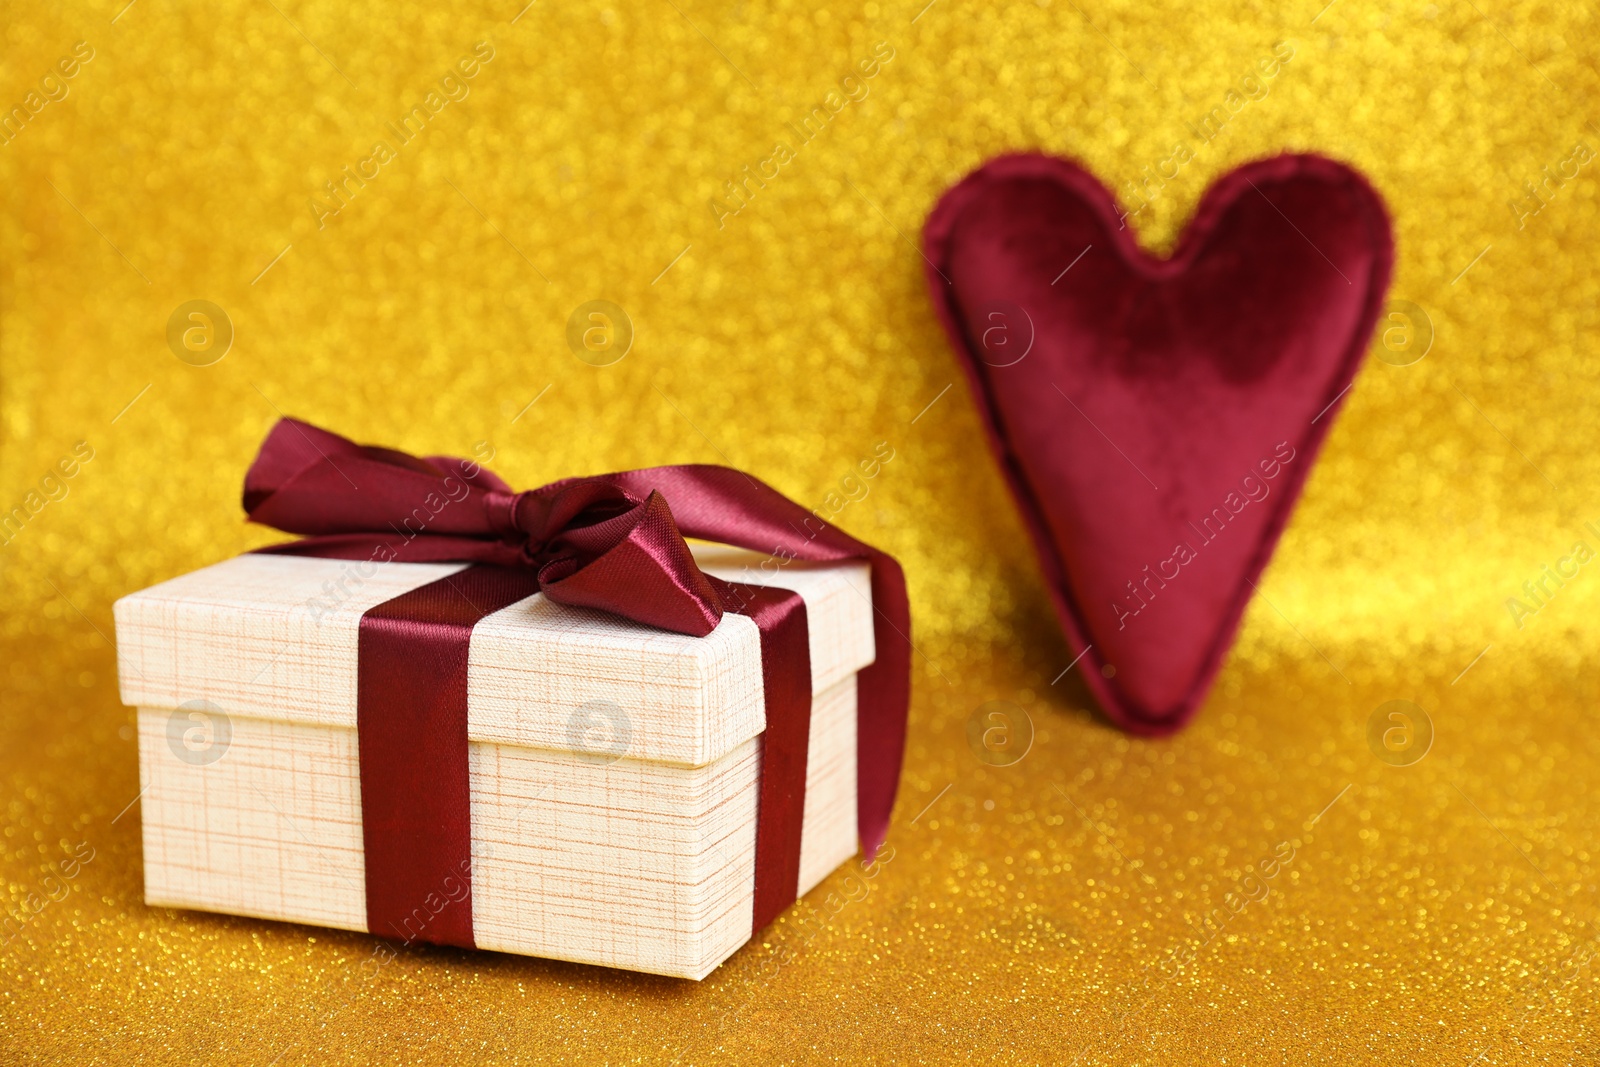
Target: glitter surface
x,y
1285,882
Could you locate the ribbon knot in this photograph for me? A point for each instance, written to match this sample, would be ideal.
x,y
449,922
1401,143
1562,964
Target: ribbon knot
x,y
500,512
592,542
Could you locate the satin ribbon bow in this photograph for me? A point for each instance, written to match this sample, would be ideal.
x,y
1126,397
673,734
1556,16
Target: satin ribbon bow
x,y
614,542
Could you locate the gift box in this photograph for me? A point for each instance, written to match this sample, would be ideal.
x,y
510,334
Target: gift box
x,y
447,752
613,765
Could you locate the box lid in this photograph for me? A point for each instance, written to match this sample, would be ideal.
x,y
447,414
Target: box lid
x,y
275,637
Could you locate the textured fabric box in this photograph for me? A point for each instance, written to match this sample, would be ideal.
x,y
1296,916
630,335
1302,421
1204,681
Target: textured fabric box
x,y
614,767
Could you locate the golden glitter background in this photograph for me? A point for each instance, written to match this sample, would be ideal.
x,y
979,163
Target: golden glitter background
x,y
1046,911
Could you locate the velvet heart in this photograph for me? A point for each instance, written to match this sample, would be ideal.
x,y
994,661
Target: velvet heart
x,y
1157,418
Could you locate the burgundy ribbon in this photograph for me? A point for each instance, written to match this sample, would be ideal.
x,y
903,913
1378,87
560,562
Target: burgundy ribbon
x,y
411,733
609,542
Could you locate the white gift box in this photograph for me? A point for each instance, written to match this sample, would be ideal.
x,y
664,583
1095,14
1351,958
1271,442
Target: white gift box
x,y
614,767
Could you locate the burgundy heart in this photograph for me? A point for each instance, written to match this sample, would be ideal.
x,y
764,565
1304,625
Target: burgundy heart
x,y
1156,418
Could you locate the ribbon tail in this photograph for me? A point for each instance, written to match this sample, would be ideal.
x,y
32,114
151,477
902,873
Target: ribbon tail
x,y
728,506
780,615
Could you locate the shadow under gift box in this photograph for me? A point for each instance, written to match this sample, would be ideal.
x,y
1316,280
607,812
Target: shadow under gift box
x,y
614,767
